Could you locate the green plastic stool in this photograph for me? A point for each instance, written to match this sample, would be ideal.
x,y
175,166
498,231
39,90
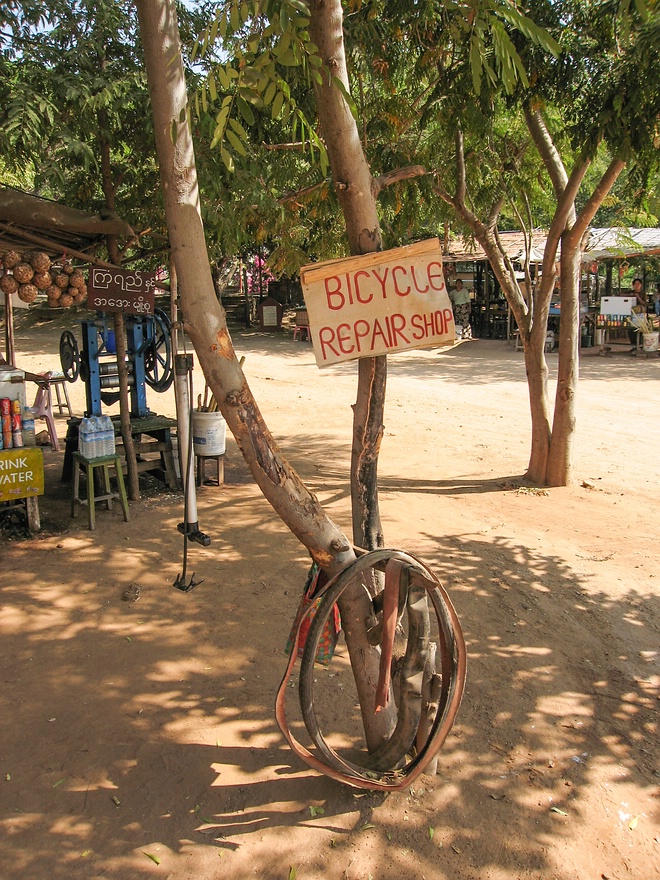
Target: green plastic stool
x,y
105,463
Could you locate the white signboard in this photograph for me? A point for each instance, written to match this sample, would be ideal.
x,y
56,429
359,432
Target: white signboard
x,y
378,303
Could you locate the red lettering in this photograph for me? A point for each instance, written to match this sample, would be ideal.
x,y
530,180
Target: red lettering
x,y
361,330
434,272
449,317
343,336
398,322
348,285
418,331
399,292
326,338
336,292
358,296
378,331
417,287
382,280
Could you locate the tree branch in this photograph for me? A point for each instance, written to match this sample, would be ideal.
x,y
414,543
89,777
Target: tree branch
x,y
292,196
547,150
296,145
378,184
594,202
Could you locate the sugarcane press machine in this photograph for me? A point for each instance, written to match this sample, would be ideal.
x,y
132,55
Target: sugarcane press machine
x,y
148,356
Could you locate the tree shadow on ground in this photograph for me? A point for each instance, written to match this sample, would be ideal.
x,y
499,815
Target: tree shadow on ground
x,y
131,704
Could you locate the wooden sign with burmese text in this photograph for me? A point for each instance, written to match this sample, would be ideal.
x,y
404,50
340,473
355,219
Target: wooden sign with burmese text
x,y
378,303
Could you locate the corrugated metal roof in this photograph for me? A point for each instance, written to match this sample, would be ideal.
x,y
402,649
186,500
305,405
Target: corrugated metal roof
x,y
601,243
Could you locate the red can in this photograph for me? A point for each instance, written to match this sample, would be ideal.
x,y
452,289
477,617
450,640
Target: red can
x,y
17,437
7,440
6,423
5,406
16,421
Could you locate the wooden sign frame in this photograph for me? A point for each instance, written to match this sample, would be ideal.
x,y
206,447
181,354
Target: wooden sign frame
x,y
378,303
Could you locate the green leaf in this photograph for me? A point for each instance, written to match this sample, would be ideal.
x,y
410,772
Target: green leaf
x,y
227,159
153,858
269,94
245,110
277,105
475,63
214,29
431,832
292,873
212,89
242,133
223,76
236,143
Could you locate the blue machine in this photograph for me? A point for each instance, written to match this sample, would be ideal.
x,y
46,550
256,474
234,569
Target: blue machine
x,y
148,357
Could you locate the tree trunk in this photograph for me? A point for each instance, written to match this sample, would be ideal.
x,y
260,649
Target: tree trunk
x,y
204,319
559,469
560,455
355,191
118,324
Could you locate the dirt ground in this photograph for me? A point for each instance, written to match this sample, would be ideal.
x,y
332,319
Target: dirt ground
x,y
138,739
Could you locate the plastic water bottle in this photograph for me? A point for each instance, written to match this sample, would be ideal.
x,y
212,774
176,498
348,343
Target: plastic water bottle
x,y
111,437
29,435
97,437
84,438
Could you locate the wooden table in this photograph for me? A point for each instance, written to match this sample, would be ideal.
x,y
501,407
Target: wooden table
x,y
154,427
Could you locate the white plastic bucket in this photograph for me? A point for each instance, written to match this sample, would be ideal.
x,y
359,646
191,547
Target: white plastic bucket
x,y
651,341
209,433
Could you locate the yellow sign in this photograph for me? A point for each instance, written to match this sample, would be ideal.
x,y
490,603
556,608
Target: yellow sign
x,y
21,473
378,303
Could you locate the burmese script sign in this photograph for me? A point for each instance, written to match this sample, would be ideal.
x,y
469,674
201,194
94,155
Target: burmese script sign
x,y
21,473
121,290
378,303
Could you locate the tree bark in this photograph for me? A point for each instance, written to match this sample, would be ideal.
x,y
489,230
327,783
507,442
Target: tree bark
x,y
559,471
204,320
120,337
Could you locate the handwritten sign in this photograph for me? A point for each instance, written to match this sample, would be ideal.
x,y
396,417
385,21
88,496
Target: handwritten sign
x,y
378,303
21,473
121,290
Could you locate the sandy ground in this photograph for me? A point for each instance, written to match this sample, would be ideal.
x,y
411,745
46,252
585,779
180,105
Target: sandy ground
x,y
137,739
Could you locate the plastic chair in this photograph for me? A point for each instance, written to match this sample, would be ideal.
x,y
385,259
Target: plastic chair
x,y
302,331
43,409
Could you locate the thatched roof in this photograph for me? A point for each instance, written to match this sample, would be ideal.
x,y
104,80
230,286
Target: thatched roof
x,y
28,221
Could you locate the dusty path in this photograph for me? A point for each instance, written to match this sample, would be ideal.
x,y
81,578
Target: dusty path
x,y
137,739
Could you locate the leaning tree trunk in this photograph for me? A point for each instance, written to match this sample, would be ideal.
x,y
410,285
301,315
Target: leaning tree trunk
x,y
205,322
119,327
559,467
354,186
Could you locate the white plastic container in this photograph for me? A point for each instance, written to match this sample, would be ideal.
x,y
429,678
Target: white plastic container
x,y
12,385
651,341
209,433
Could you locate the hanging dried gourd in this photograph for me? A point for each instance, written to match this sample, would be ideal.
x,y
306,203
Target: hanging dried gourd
x,y
11,259
42,280
77,279
8,284
61,280
65,301
28,293
40,262
67,267
23,273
